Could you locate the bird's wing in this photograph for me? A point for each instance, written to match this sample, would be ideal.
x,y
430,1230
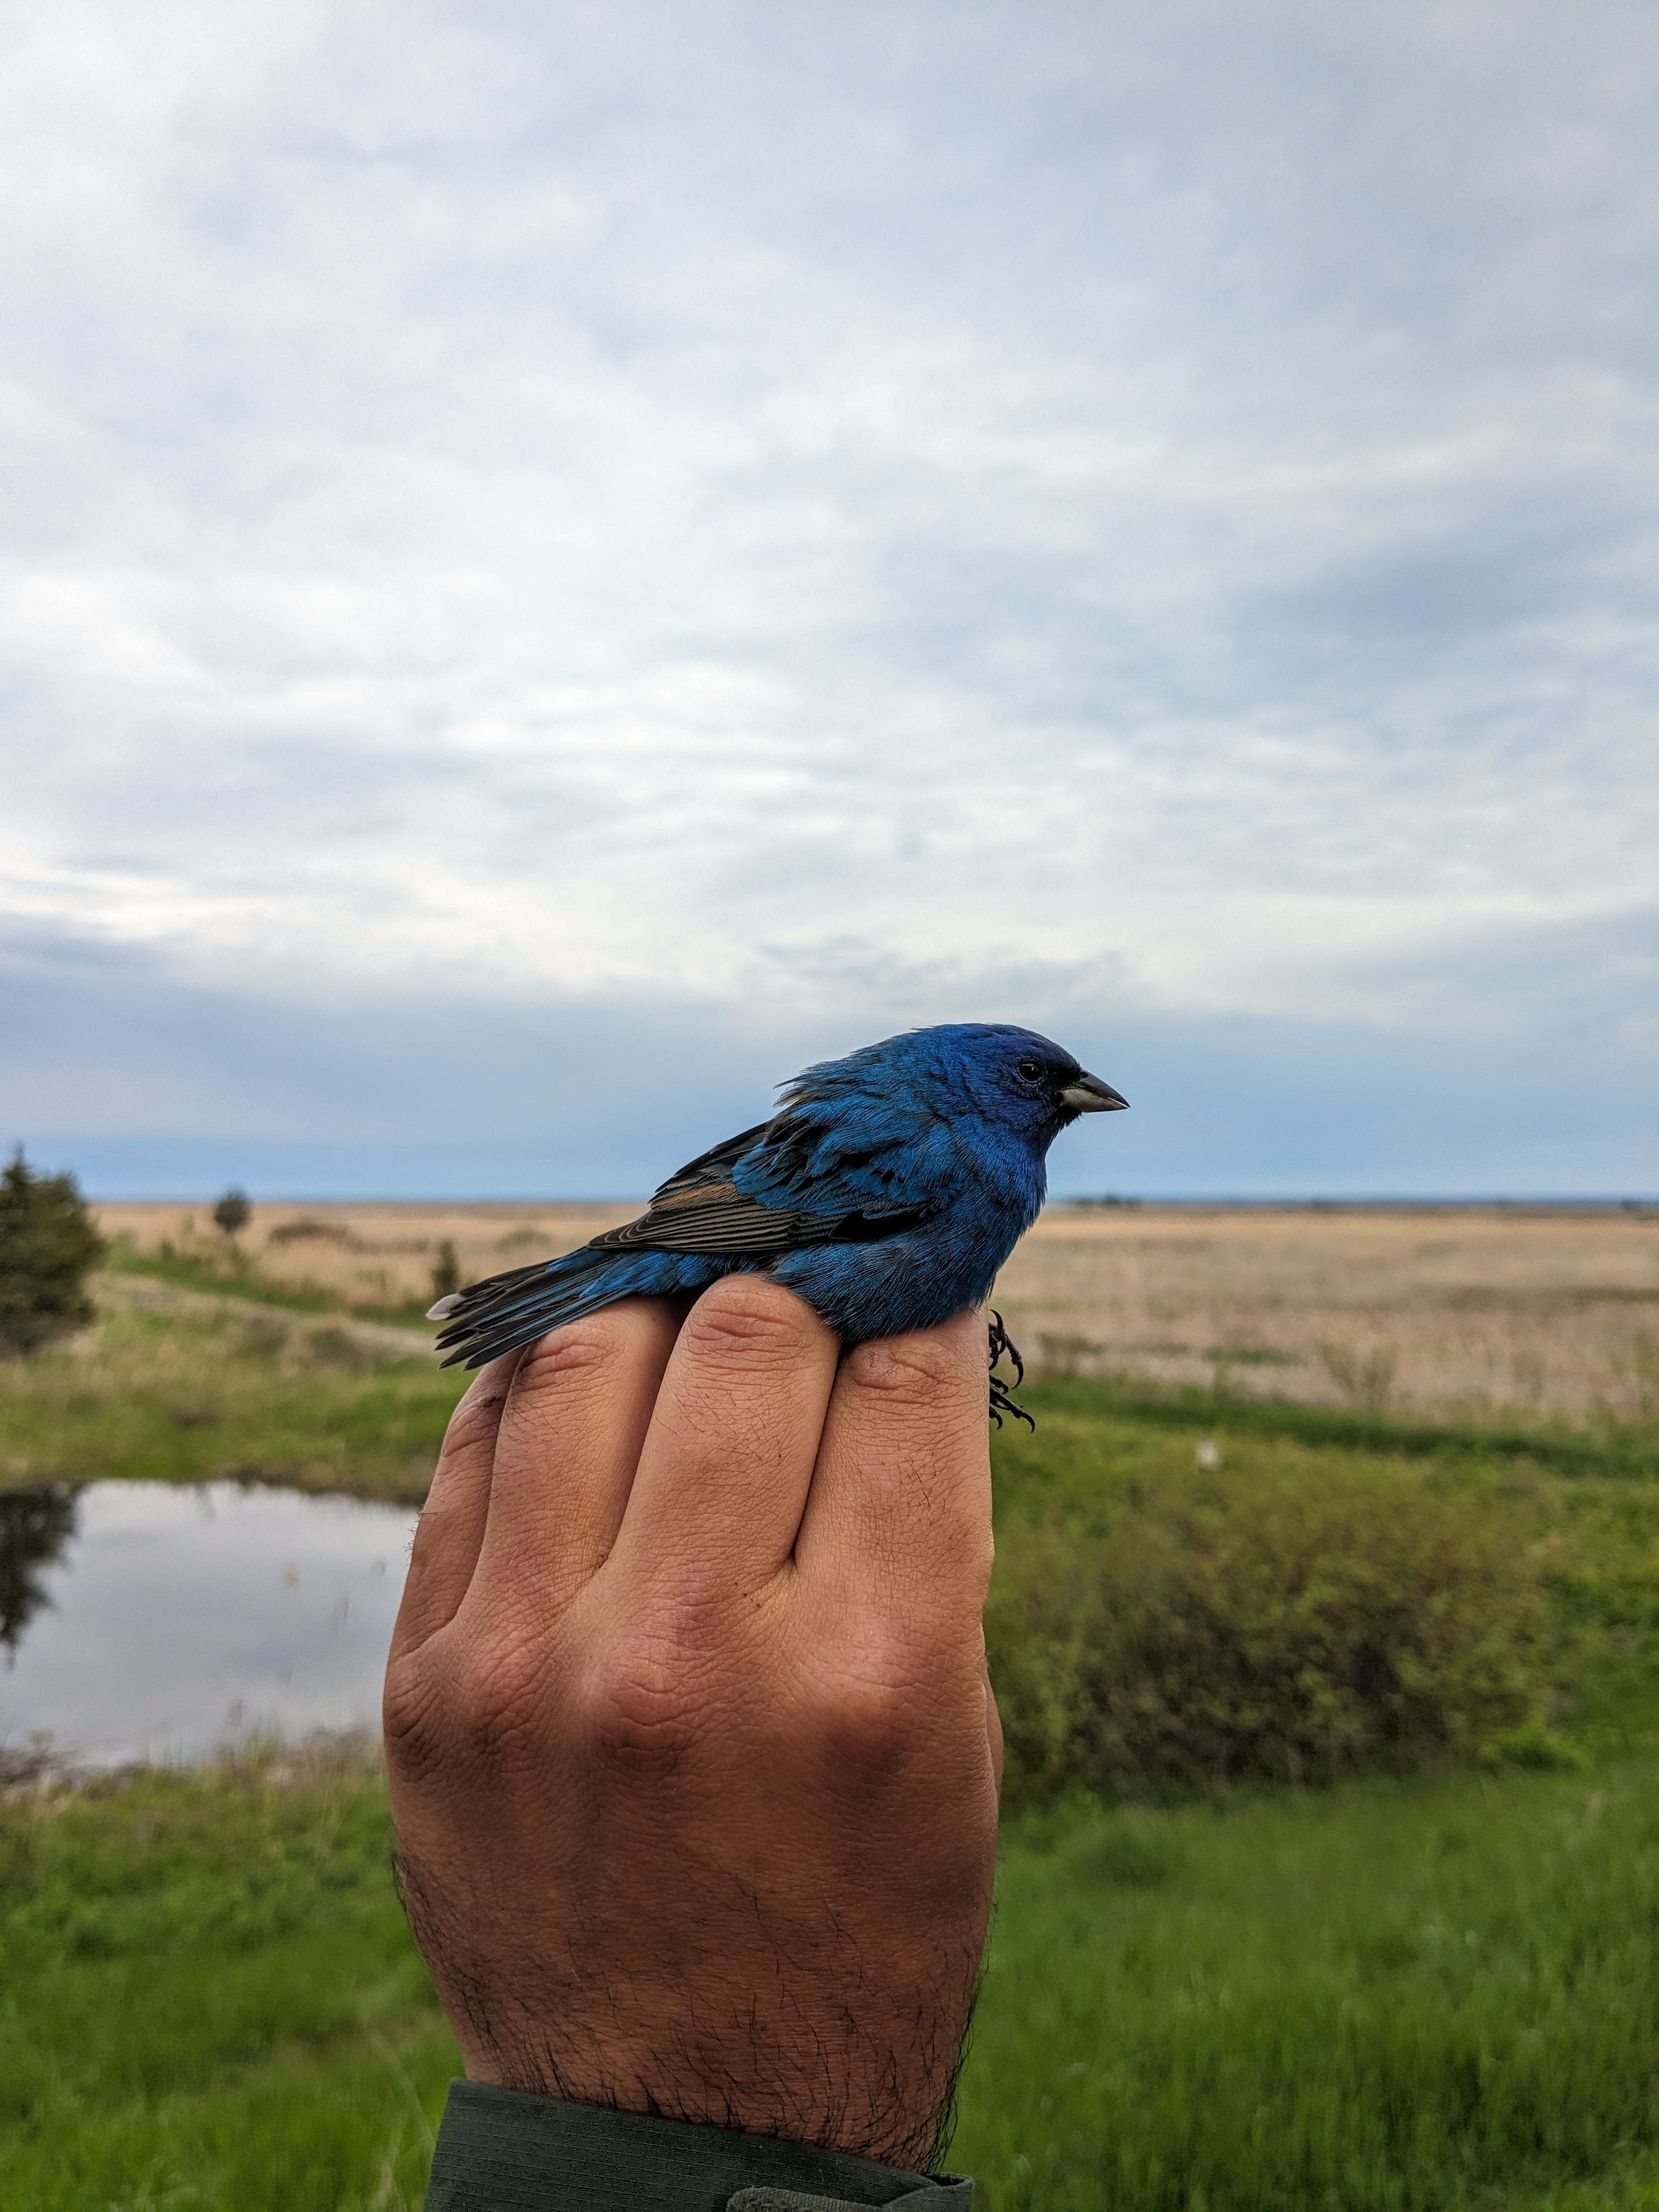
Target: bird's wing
x,y
709,1166
881,1159
701,1209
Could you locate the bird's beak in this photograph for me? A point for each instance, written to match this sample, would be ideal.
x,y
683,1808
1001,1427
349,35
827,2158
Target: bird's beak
x,y
1088,1095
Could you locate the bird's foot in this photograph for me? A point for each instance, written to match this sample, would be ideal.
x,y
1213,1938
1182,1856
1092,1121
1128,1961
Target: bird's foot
x,y
1001,1403
1004,1347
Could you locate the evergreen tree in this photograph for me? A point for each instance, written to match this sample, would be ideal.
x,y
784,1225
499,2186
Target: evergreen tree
x,y
232,1212
447,1273
48,1247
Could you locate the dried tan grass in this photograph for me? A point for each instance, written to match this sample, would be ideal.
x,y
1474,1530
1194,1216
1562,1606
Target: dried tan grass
x,y
1462,1313
374,1255
1465,1313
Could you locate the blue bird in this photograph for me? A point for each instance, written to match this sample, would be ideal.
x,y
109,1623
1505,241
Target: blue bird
x,y
887,1191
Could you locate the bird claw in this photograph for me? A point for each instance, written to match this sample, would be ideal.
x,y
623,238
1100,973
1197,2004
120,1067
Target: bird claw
x,y
1003,1346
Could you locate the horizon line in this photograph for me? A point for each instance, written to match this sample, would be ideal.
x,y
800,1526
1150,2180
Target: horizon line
x,y
1498,1200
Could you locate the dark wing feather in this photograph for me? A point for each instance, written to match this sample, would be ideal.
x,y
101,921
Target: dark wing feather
x,y
701,1209
479,1302
707,1167
716,1217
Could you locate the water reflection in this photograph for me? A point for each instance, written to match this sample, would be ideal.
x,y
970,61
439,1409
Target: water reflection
x,y
35,1525
141,1619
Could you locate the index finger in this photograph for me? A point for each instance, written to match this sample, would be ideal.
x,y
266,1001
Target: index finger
x,y
450,1532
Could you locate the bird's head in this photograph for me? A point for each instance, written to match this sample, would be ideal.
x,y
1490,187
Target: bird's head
x,y
1020,1089
1023,1084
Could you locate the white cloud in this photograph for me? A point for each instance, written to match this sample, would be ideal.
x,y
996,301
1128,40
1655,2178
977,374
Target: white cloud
x,y
867,509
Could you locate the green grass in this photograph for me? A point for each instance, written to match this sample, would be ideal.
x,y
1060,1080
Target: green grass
x,y
1607,1448
1431,1991
226,1272
208,1998
1384,1995
258,1396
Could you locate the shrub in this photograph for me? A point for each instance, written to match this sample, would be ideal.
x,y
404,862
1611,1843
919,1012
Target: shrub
x,y
48,1247
445,1272
1293,1628
233,1212
334,1347
305,1227
262,1338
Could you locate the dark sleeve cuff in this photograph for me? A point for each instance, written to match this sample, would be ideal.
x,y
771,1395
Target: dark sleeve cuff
x,y
501,2151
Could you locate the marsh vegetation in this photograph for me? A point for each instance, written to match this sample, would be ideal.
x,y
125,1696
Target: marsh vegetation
x,y
1329,1875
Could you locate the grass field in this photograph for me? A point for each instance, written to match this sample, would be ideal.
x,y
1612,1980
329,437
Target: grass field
x,y
1447,1313
177,1385
1424,1990
1384,1996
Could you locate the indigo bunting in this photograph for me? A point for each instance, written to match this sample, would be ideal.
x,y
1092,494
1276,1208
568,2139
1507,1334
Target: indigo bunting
x,y
887,1191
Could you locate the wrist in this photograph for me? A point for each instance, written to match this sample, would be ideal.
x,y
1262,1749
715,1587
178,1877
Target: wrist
x,y
802,2044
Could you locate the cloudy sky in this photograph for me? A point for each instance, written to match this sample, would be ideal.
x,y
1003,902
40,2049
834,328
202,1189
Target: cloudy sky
x,y
558,561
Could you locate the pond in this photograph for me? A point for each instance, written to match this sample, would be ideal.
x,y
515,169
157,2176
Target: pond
x,y
145,1620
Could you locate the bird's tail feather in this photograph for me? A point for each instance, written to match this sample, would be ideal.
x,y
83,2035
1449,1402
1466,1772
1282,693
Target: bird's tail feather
x,y
505,1312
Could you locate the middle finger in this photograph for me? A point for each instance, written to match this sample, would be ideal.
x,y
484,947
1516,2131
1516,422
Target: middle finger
x,y
725,1468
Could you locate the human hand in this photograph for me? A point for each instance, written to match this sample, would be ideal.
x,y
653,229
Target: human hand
x,y
693,1759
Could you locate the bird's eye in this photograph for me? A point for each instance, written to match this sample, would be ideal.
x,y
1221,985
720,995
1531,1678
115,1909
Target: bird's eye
x,y
1029,1071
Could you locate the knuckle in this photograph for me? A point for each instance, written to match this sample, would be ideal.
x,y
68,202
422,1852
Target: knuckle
x,y
748,1325
876,1716
909,1374
502,1695
641,1702
411,1716
580,1352
975,1557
